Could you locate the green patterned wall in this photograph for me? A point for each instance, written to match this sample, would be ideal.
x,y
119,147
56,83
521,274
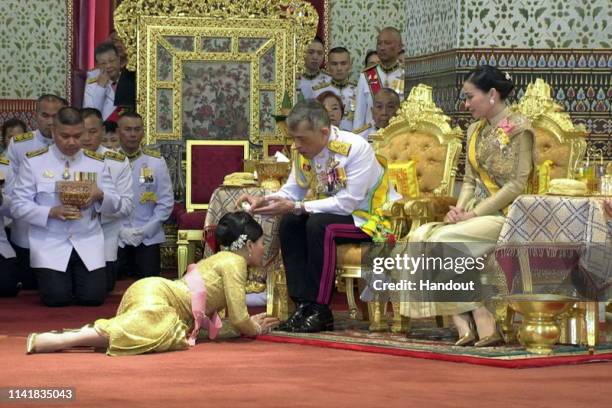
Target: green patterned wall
x,y
355,24
35,57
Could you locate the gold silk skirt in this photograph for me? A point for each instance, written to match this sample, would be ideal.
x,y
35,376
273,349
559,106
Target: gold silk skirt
x,y
482,230
154,315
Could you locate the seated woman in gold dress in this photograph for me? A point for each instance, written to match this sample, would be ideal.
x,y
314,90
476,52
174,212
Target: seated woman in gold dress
x,y
157,314
497,170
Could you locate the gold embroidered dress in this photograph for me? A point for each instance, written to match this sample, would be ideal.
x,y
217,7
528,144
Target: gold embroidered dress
x,y
155,313
497,170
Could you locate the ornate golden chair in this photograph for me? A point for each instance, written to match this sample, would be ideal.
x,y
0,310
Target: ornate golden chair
x,y
560,147
421,133
557,140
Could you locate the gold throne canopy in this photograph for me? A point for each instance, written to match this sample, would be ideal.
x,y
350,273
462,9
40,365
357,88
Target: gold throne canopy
x,y
215,69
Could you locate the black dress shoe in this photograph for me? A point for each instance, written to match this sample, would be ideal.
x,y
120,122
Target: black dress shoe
x,y
319,319
296,319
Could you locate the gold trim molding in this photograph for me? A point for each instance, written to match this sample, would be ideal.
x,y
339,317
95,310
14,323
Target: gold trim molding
x,y
296,12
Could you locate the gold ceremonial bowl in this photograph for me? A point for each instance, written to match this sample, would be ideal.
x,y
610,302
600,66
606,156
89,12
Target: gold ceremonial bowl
x,y
540,330
74,193
271,173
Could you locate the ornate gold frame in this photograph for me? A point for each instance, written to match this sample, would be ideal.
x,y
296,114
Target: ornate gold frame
x,y
538,105
289,26
188,204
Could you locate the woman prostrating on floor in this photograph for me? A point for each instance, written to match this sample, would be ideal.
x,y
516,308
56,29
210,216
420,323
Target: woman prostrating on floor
x,y
157,314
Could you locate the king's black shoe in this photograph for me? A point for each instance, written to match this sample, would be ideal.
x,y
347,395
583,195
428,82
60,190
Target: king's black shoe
x,y
296,319
319,318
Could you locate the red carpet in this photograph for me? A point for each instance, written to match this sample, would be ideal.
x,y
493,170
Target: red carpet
x,y
246,373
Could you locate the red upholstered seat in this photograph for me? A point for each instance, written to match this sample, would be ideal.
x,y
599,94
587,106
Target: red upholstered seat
x,y
208,162
273,148
209,165
192,220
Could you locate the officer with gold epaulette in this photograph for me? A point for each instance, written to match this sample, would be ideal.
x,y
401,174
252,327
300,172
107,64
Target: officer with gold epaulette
x,y
388,74
313,76
47,107
386,104
121,173
66,240
143,232
351,186
339,67
9,281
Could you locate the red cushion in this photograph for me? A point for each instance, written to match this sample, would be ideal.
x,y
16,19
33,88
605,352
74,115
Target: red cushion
x,y
192,220
273,148
209,165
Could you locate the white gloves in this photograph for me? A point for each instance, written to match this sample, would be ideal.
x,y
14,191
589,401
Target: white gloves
x,y
131,236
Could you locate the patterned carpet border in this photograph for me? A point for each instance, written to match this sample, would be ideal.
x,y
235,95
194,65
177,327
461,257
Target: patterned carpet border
x,y
508,356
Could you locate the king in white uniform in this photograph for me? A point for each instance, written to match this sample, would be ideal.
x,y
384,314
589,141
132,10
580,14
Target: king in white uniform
x,y
351,185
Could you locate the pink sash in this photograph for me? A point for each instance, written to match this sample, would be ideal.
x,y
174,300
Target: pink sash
x,y
198,307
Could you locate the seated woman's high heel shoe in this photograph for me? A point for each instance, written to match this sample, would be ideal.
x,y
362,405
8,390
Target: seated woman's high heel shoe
x,y
489,341
467,339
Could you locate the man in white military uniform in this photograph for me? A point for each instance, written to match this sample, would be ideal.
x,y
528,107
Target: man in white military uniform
x,y
113,88
388,74
47,107
141,234
67,243
312,76
351,185
386,104
9,281
339,67
121,173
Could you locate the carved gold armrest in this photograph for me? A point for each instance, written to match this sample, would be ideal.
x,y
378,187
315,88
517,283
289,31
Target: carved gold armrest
x,y
427,209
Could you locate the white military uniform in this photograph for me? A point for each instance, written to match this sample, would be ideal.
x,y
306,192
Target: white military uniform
x,y
121,173
35,193
99,97
6,173
19,146
365,131
307,83
346,91
153,196
363,174
365,100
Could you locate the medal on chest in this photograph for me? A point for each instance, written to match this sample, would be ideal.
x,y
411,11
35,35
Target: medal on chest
x,y
331,178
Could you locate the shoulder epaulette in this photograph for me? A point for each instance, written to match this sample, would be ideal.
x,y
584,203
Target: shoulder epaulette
x,y
37,152
23,137
4,160
361,129
321,86
93,155
92,80
339,147
114,156
151,152
366,69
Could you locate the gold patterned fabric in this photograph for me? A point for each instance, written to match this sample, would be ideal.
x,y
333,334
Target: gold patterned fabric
x,y
508,163
155,313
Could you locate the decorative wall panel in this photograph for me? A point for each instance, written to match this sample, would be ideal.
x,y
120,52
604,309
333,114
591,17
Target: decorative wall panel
x,y
35,48
355,25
